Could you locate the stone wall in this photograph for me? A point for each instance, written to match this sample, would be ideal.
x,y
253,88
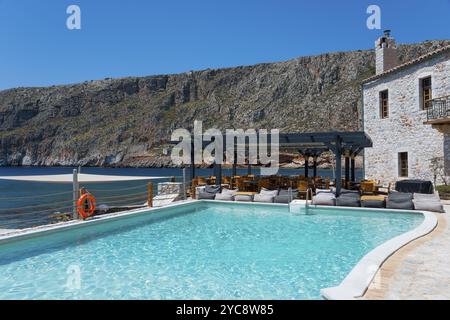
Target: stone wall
x,y
403,130
170,188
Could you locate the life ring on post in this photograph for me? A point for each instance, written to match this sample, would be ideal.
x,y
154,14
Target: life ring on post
x,y
86,205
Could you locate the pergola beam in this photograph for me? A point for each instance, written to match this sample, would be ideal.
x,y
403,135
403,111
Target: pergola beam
x,y
347,168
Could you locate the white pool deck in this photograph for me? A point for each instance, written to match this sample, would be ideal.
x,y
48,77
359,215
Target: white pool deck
x,y
420,272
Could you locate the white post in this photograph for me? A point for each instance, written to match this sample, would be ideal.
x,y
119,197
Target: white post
x,y
76,190
184,183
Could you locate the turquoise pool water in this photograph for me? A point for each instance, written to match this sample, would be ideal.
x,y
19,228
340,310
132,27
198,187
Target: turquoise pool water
x,y
199,251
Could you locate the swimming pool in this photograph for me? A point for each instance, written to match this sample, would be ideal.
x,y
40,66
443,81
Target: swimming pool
x,y
198,250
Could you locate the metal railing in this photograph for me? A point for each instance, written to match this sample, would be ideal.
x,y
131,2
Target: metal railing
x,y
438,108
308,192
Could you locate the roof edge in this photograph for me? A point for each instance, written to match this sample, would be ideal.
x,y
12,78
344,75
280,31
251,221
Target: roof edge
x,y
408,64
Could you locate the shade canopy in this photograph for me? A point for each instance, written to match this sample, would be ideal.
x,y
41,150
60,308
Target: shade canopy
x,y
309,144
82,177
315,143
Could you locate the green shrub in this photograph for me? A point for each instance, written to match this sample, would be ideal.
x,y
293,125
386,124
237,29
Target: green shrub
x,y
443,188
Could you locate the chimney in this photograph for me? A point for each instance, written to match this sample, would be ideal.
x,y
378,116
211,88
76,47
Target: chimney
x,y
385,53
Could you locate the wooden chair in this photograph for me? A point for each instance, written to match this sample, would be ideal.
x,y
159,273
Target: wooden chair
x,y
226,180
368,187
233,181
194,184
238,183
327,183
302,188
201,181
273,182
263,183
385,189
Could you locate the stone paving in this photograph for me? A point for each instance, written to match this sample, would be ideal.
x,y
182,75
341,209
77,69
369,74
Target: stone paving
x,y
421,271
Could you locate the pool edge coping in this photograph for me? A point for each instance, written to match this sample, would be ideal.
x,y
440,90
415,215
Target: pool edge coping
x,y
359,279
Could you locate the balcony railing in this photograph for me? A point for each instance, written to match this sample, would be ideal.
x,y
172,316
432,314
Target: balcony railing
x,y
438,108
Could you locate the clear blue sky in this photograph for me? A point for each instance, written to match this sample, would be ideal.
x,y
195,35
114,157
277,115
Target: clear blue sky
x,y
137,37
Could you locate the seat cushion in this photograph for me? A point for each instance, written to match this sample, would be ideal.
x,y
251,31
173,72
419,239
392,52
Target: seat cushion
x,y
400,196
287,192
348,200
400,200
224,196
397,204
374,198
347,191
282,199
229,191
263,198
212,189
243,197
425,196
198,190
373,203
267,192
206,196
324,199
428,205
323,191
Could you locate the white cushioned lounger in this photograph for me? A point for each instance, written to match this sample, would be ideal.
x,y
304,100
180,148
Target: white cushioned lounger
x,y
324,199
427,202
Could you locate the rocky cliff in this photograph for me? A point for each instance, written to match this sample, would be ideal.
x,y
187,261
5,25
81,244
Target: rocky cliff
x,y
126,122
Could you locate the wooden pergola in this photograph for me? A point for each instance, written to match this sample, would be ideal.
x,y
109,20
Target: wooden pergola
x,y
312,145
347,144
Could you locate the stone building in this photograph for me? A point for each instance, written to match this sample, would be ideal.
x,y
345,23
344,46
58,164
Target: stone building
x,y
407,114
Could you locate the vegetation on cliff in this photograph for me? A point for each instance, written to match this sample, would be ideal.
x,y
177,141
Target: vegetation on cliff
x,y
126,122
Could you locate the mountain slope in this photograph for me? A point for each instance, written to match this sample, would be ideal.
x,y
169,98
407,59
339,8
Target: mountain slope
x,y
125,122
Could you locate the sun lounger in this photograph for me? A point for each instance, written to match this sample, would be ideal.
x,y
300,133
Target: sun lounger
x,y
208,192
265,196
286,196
427,202
349,198
243,197
400,200
226,195
324,198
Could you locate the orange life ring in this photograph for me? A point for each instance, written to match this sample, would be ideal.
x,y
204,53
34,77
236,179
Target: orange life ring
x,y
89,200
